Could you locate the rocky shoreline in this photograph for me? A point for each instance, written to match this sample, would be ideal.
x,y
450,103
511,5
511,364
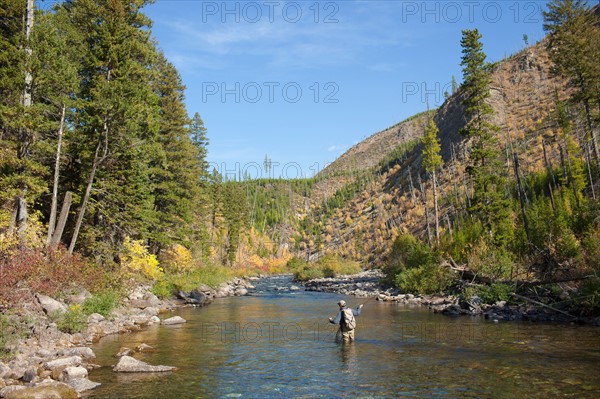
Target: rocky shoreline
x,y
55,364
368,284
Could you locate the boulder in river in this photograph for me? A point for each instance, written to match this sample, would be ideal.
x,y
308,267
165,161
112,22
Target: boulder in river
x,y
83,384
127,364
173,320
144,348
124,352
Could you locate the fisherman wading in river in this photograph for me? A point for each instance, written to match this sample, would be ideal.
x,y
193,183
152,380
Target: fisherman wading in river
x,y
346,319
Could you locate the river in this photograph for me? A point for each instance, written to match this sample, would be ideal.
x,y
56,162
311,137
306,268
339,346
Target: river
x,y
277,343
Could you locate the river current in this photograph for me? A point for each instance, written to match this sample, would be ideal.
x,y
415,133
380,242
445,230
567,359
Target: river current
x,y
277,343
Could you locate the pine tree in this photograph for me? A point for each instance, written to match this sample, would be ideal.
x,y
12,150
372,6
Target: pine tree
x,y
236,215
177,175
432,161
574,48
198,134
21,175
574,174
117,124
489,204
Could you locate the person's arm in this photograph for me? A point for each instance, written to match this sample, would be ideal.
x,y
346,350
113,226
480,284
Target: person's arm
x,y
357,311
337,319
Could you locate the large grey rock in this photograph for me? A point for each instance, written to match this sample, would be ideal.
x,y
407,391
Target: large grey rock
x,y
173,320
46,390
83,384
195,297
73,373
83,351
4,392
95,318
4,370
30,374
152,300
127,364
151,311
63,362
50,305
139,303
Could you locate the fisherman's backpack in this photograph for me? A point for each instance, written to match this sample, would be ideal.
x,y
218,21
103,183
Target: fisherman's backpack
x,y
348,322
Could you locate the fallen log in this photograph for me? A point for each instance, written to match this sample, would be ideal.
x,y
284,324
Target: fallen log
x,y
543,305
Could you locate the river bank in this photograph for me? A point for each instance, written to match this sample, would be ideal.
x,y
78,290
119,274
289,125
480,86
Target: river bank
x,y
52,363
368,284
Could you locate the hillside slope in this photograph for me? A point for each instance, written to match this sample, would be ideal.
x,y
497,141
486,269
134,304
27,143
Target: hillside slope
x,y
377,189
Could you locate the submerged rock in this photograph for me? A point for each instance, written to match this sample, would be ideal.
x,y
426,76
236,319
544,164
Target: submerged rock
x,y
173,320
124,352
144,348
83,384
127,364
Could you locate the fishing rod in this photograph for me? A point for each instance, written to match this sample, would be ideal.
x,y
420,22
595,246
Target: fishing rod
x,y
368,300
362,304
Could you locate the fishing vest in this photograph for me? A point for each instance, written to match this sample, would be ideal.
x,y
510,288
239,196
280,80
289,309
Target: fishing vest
x,y
347,321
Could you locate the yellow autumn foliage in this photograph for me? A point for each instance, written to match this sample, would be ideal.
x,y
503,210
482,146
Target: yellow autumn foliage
x,y
177,259
137,259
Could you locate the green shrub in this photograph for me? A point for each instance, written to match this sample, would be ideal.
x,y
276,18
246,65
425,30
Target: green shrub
x,y
11,329
491,261
102,303
591,247
164,288
296,264
72,321
333,266
407,253
308,273
327,266
589,296
495,292
464,237
211,275
424,280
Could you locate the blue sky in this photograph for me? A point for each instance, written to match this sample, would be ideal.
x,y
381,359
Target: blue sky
x,y
303,81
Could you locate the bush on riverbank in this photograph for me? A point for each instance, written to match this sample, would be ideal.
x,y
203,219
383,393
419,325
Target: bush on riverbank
x,y
12,328
53,272
414,268
327,266
212,275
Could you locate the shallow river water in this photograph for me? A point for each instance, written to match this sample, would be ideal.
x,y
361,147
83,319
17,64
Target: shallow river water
x,y
277,343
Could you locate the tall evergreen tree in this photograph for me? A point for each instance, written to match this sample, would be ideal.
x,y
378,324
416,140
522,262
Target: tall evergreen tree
x,y
574,47
117,124
178,174
432,161
489,204
199,136
21,176
236,215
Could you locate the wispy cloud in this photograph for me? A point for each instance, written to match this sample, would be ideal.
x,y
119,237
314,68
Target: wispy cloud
x,y
281,44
